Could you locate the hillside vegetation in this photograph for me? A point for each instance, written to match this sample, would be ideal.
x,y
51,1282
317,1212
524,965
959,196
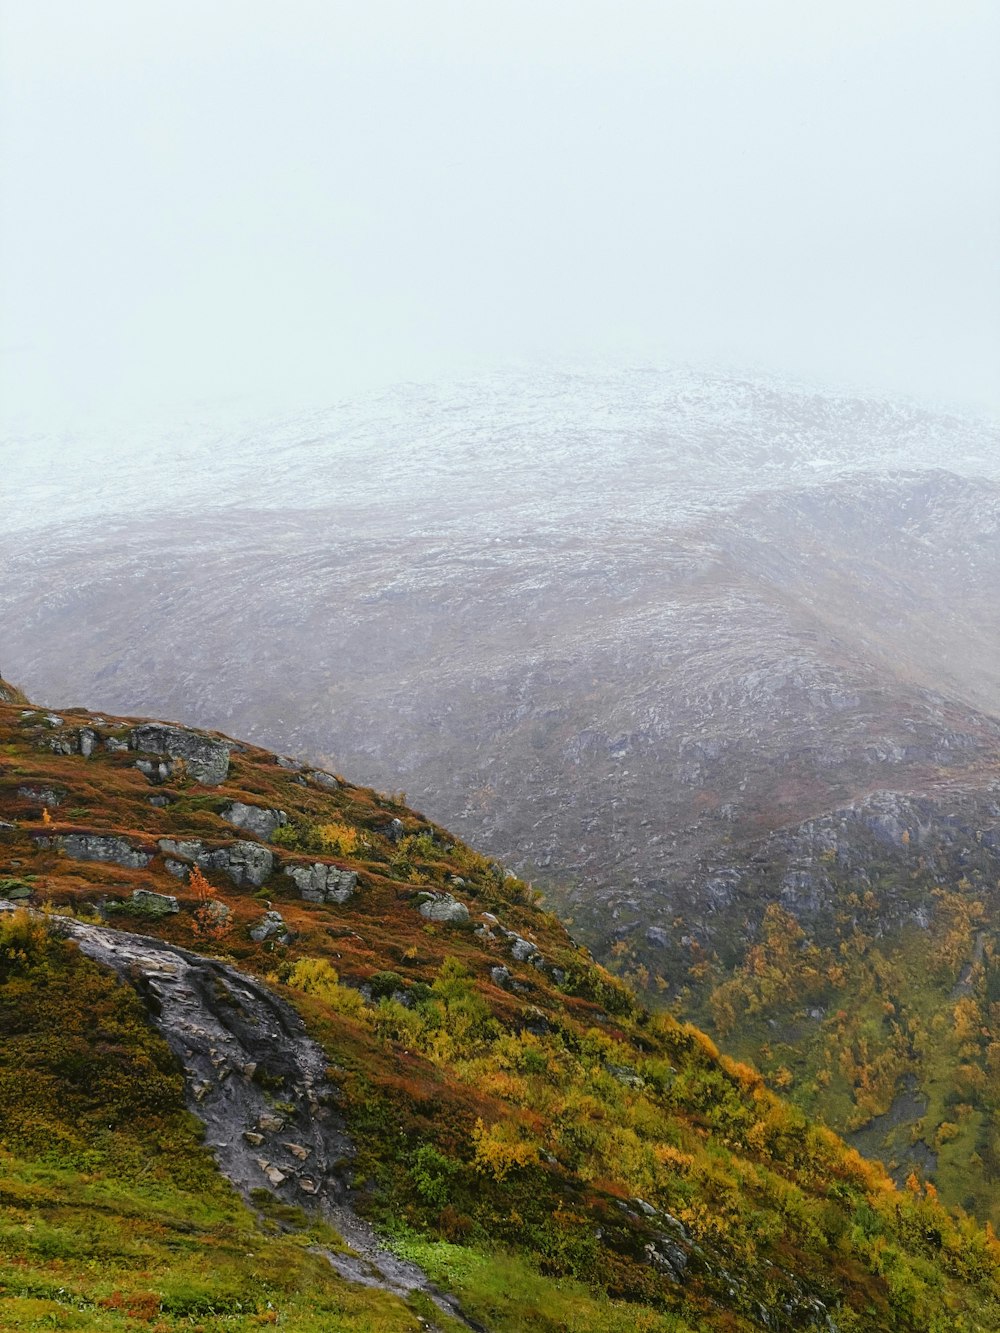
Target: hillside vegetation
x,y
549,1151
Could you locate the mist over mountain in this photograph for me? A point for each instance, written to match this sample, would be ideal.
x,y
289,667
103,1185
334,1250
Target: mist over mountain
x,y
681,649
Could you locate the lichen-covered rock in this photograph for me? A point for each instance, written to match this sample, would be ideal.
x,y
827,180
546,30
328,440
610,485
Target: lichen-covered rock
x,y
322,779
115,746
88,741
218,913
244,862
153,904
323,883
629,1078
523,951
188,849
46,796
256,819
443,907
271,926
392,831
207,760
103,847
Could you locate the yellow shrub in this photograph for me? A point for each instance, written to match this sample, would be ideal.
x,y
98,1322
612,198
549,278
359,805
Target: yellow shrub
x,y
338,839
499,1149
315,976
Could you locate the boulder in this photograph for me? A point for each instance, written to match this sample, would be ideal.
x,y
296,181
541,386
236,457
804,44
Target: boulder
x,y
46,796
323,883
207,760
256,819
322,779
153,904
243,862
523,951
443,907
188,849
217,913
103,847
271,926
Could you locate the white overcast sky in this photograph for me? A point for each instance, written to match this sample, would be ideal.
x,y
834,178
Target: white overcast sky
x,y
289,201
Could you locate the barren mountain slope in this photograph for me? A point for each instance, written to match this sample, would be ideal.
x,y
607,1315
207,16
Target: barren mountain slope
x,y
632,634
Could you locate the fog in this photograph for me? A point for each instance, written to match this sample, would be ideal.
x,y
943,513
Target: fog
x,y
259,206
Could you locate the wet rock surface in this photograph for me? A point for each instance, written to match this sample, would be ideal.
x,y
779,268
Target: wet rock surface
x,y
261,1088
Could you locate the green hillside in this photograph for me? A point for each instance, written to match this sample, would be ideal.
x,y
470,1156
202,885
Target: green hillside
x,y
553,1155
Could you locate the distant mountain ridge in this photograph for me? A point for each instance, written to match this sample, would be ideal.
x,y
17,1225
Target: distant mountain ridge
x,y
630,633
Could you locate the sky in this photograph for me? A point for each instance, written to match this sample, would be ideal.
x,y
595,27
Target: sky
x,y
279,205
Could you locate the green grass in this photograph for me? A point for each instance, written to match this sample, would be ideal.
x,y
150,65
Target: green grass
x,y
506,1292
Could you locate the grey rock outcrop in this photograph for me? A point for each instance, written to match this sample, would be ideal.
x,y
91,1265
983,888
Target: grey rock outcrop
x,y
244,862
153,904
70,740
256,819
188,849
156,770
271,926
521,950
46,796
323,779
443,907
323,883
207,760
100,847
227,1030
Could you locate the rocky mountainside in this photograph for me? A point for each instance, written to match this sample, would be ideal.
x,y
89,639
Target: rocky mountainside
x,y
279,1050
667,644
